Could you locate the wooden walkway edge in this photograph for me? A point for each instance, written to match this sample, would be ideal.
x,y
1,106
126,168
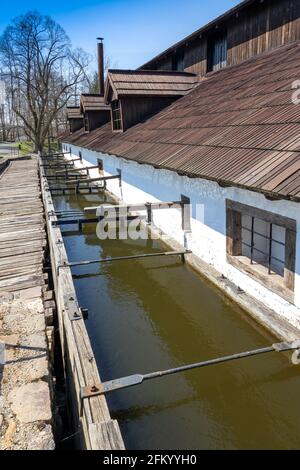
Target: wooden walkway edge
x,y
92,417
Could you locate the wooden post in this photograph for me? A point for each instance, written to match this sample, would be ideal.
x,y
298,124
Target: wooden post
x,y
186,213
149,213
234,232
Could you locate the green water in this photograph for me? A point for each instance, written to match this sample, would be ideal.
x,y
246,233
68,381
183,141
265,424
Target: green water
x,y
152,314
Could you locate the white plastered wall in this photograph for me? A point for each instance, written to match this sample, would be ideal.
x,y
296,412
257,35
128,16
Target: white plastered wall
x,y
143,183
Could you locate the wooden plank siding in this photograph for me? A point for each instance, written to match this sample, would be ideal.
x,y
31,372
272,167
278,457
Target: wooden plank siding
x,y
135,109
258,28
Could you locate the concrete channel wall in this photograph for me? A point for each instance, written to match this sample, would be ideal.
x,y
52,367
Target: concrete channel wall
x,y
91,417
143,183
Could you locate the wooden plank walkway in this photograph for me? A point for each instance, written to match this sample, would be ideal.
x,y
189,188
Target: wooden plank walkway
x,y
25,377
22,228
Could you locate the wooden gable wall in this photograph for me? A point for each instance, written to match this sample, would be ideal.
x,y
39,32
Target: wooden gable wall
x,y
255,30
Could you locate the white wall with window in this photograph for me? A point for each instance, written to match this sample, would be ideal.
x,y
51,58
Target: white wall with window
x,y
208,239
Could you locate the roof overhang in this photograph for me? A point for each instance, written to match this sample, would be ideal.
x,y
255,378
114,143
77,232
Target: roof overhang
x,y
148,83
74,112
202,31
92,102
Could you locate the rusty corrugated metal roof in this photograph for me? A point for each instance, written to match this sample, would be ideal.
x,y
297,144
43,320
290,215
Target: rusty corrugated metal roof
x,y
238,127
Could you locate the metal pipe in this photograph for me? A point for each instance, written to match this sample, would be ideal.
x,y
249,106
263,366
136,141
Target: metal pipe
x,y
121,258
136,379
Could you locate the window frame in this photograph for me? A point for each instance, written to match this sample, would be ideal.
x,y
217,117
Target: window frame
x,y
178,61
118,110
86,122
100,166
283,286
211,44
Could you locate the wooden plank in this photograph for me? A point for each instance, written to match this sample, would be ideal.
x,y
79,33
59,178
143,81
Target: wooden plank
x,y
262,214
106,436
290,259
233,232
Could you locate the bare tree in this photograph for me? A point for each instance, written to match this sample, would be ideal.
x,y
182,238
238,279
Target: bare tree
x,y
94,79
41,71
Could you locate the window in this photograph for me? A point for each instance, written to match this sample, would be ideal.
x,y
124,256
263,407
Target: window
x,y
262,244
178,62
86,123
217,53
116,115
100,165
80,155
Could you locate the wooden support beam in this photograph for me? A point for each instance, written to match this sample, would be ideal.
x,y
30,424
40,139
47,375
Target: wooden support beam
x,y
92,220
60,176
92,180
87,168
132,207
49,166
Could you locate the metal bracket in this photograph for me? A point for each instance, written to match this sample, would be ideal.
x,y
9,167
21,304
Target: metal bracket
x,y
286,346
72,308
91,391
64,265
84,313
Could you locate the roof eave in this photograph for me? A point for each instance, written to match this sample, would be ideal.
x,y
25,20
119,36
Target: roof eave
x,y
224,17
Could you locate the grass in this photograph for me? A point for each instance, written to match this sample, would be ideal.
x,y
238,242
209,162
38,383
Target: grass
x,y
28,146
25,147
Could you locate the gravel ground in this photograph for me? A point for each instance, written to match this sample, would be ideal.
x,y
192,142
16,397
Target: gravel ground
x,y
25,402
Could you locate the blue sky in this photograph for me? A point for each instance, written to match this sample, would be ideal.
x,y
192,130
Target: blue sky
x,y
134,30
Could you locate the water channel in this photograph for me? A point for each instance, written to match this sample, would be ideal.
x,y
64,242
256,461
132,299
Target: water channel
x,y
152,314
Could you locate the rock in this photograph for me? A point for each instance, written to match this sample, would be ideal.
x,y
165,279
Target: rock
x,y
10,341
31,402
1,421
28,370
35,340
10,432
24,322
